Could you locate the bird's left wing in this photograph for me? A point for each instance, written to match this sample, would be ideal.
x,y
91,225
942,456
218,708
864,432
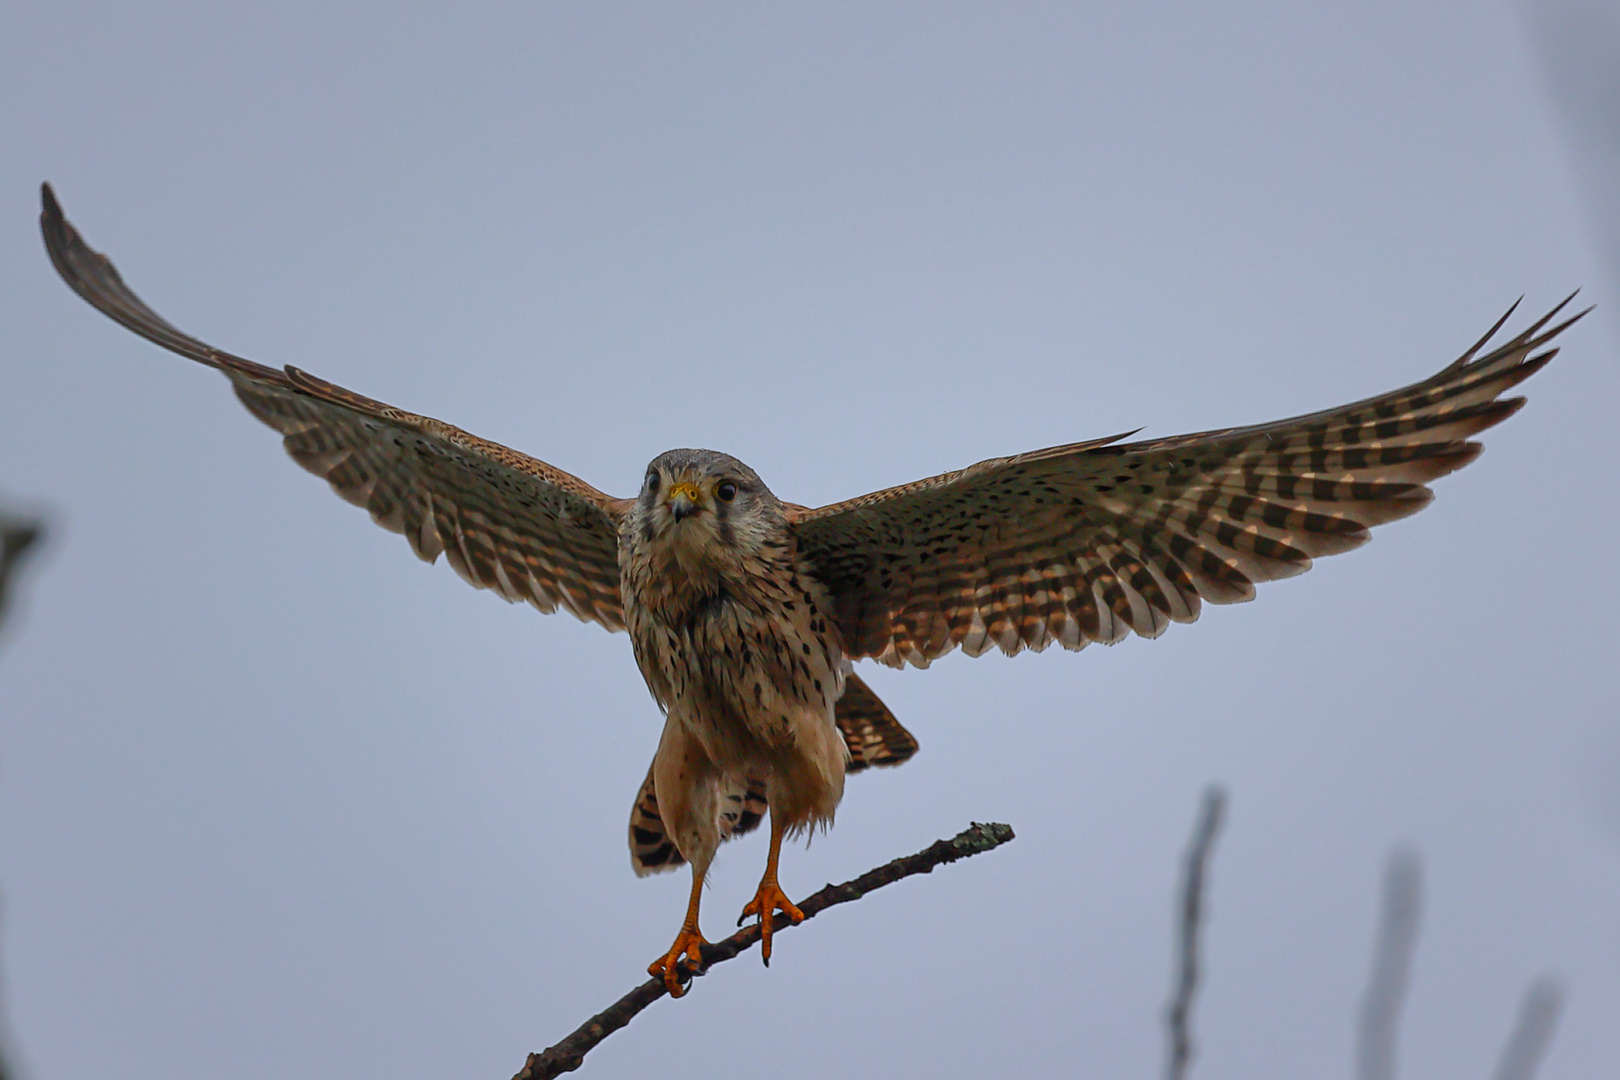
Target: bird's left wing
x,y
1091,541
504,520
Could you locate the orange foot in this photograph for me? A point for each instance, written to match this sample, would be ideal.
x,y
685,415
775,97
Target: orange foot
x,y
688,943
766,903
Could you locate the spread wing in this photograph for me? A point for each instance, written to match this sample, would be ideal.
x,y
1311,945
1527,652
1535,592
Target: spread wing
x,y
504,520
1088,542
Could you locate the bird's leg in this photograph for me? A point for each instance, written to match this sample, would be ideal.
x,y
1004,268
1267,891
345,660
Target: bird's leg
x,y
689,942
770,898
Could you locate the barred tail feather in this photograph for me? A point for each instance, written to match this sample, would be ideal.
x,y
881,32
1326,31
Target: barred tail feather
x,y
871,732
652,851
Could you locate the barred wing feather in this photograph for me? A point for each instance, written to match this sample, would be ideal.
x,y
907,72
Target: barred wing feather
x,y
505,521
1092,541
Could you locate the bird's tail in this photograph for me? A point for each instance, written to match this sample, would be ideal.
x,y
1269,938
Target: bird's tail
x,y
742,807
871,732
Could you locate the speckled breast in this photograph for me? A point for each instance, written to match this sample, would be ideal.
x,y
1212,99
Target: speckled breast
x,y
743,665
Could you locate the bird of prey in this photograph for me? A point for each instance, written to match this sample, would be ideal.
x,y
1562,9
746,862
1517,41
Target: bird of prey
x,y
745,612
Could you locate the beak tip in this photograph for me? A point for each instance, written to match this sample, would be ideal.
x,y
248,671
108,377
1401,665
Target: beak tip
x,y
684,501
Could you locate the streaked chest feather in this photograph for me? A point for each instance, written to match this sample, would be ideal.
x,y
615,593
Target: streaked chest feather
x,y
742,654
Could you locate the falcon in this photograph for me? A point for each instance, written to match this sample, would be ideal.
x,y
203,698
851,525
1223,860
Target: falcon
x,y
746,612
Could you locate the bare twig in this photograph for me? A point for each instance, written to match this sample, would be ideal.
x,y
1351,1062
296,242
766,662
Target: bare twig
x,y
1392,966
17,535
1538,1016
1577,43
1178,1015
570,1053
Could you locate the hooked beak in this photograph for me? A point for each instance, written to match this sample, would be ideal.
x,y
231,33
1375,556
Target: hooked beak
x,y
684,500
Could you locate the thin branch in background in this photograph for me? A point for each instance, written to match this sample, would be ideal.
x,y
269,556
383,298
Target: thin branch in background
x,y
17,536
1538,1016
1577,42
1178,1016
569,1054
1392,966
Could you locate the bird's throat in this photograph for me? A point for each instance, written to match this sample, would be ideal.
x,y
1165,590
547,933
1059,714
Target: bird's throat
x,y
690,568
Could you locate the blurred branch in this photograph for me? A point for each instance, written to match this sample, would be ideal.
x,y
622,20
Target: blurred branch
x,y
17,536
1392,966
1392,969
1179,1014
1538,1016
1576,42
569,1054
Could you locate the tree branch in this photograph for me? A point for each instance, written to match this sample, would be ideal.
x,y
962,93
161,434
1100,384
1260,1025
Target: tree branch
x,y
17,535
569,1054
1538,1016
1380,1018
1179,1013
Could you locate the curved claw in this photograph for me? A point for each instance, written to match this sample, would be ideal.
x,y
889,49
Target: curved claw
x,y
766,903
688,944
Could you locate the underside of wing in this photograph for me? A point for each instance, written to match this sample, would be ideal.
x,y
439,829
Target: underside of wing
x,y
505,521
1092,541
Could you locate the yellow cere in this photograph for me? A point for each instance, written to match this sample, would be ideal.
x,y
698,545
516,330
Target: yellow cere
x,y
691,491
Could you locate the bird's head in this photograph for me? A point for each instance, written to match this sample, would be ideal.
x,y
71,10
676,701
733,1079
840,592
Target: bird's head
x,y
706,509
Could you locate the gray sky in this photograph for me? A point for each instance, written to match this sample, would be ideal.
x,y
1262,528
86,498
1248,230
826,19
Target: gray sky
x,y
278,800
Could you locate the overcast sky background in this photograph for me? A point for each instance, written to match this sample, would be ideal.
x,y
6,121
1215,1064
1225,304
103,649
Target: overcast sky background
x,y
278,800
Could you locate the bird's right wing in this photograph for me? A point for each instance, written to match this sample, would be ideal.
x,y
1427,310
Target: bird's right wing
x,y
504,520
1091,541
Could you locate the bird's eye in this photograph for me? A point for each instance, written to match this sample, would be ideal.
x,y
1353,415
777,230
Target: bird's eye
x,y
652,480
725,491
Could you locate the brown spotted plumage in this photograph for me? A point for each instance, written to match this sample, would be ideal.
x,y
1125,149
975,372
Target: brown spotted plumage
x,y
1089,542
745,612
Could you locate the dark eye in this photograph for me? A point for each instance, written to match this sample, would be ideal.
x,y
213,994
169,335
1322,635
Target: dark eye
x,y
652,481
725,491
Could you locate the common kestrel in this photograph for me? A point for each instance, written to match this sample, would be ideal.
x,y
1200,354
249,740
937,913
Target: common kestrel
x,y
745,612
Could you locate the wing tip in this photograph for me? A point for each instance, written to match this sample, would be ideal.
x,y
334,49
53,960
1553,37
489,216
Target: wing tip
x,y
59,234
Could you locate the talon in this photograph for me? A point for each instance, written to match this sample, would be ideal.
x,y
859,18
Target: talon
x,y
688,944
766,903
